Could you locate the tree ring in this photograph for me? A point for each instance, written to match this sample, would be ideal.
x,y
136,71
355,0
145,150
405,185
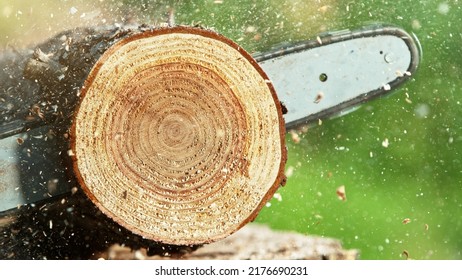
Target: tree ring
x,y
179,136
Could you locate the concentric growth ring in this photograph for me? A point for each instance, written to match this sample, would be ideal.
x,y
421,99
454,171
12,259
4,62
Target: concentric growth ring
x,y
179,136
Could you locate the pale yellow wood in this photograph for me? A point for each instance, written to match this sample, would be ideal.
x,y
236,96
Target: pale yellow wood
x,y
179,136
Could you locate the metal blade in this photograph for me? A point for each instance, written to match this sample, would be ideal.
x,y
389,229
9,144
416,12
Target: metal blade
x,y
319,78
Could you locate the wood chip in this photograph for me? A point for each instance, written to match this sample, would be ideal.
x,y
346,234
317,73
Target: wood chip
x,y
406,221
319,97
341,194
405,254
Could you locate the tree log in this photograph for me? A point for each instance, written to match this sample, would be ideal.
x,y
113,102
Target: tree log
x,y
177,139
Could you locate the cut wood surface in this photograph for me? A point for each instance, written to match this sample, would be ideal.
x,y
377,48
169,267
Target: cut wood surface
x,y
179,136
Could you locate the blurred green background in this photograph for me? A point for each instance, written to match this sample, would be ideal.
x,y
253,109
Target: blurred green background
x,y
418,176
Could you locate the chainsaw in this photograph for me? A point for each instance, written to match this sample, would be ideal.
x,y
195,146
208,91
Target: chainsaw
x,y
328,75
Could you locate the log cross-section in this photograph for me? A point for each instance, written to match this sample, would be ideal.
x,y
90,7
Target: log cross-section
x,y
179,136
